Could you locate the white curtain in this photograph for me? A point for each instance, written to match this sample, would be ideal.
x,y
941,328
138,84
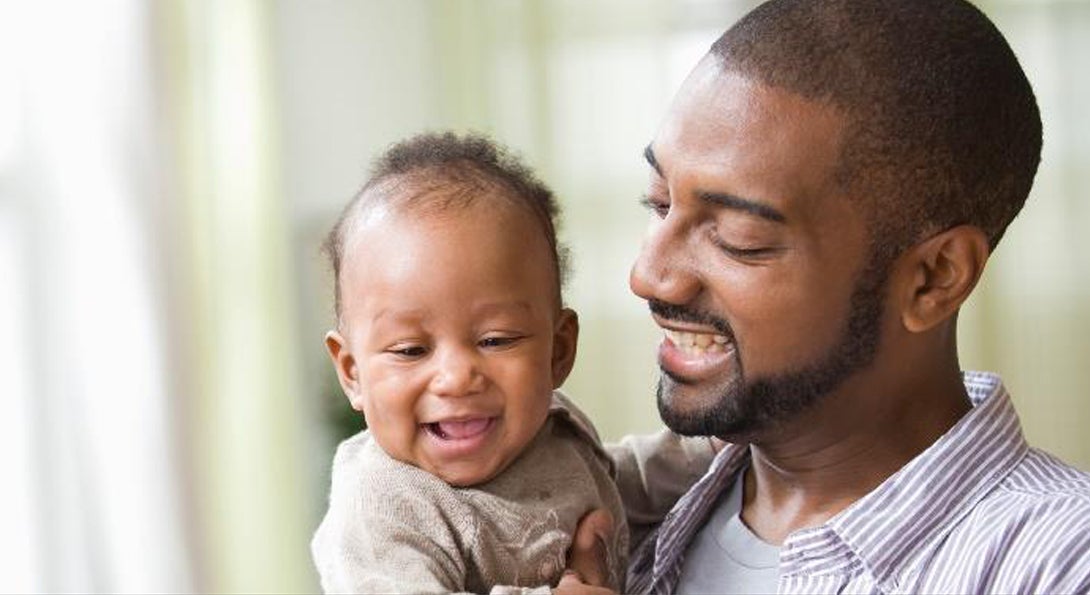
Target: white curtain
x,y
92,498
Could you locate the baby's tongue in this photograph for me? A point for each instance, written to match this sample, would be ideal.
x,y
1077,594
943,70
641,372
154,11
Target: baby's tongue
x,y
463,429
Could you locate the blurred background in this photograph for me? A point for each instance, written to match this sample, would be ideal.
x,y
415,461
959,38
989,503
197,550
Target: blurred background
x,y
168,169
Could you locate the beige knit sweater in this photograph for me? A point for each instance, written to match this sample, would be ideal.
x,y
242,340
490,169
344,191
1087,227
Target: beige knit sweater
x,y
392,528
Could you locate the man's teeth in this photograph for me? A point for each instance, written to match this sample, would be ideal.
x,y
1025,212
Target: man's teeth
x,y
698,343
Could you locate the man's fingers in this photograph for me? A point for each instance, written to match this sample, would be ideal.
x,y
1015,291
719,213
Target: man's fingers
x,y
587,556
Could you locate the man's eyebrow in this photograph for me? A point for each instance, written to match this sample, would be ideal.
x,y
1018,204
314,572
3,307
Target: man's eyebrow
x,y
720,199
730,201
649,155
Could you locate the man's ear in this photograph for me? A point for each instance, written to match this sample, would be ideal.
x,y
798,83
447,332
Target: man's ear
x,y
345,365
565,339
939,275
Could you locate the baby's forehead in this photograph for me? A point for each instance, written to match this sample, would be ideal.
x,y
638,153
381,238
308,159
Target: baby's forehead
x,y
416,198
387,207
401,248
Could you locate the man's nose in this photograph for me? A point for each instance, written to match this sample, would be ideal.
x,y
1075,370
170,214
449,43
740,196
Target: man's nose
x,y
665,269
457,373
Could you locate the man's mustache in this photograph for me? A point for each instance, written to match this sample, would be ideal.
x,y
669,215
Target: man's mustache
x,y
682,314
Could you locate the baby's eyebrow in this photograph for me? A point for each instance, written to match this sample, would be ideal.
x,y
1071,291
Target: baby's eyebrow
x,y
503,306
396,315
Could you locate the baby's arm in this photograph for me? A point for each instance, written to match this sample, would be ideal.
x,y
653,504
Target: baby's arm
x,y
653,471
392,556
388,528
387,551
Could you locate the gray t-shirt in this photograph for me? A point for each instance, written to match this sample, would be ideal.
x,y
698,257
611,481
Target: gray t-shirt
x,y
726,557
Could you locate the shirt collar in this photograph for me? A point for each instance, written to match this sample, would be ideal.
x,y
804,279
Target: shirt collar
x,y
889,528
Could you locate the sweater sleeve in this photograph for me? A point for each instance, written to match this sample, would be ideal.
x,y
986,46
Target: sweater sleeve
x,y
389,528
653,471
390,555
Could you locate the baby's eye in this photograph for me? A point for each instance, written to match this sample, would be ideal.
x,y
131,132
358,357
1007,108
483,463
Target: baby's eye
x,y
408,351
498,341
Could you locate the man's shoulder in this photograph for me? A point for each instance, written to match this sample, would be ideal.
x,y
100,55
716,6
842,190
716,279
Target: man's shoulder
x,y
1042,491
1033,530
1039,490
1041,479
1027,534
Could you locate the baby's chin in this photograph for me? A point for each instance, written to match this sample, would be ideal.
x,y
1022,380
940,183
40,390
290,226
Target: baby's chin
x,y
468,474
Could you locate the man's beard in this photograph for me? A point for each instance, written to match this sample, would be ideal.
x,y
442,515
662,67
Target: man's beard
x,y
744,406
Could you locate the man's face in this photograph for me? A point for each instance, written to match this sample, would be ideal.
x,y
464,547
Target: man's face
x,y
755,263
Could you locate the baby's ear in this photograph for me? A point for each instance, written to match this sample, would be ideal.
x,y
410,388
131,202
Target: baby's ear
x,y
565,339
345,365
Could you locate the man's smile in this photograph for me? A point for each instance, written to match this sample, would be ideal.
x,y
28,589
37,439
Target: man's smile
x,y
694,356
694,344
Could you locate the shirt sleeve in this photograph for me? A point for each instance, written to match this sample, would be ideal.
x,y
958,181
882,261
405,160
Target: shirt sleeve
x,y
1050,552
653,471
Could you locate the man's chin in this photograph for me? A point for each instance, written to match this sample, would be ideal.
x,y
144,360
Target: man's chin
x,y
709,412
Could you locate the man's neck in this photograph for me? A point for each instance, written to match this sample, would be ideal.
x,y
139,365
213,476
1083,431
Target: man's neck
x,y
819,464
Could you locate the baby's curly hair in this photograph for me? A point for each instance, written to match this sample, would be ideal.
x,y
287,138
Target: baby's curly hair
x,y
435,172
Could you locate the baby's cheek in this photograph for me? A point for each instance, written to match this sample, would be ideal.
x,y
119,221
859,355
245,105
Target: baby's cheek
x,y
395,388
395,437
391,412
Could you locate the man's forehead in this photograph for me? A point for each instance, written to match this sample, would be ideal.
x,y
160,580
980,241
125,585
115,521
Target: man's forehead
x,y
729,134
718,100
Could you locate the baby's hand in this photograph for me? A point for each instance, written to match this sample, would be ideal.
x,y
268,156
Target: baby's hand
x,y
588,573
571,584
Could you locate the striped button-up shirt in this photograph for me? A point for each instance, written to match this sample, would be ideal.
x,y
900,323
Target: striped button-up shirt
x,y
978,511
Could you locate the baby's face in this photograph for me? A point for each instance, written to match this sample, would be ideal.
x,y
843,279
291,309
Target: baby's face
x,y
452,336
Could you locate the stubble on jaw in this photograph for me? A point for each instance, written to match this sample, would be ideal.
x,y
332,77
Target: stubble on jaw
x,y
740,409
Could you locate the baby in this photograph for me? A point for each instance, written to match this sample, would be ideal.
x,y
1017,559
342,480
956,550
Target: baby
x,y
451,339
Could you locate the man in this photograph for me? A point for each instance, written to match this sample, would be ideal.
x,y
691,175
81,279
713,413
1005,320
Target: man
x,y
825,192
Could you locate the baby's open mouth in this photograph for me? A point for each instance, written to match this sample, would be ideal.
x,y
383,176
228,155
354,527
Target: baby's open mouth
x,y
459,430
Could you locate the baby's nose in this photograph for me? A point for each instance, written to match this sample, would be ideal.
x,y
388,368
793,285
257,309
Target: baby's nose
x,y
456,374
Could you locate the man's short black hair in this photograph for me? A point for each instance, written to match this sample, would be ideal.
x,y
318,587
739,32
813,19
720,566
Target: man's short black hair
x,y
441,171
942,127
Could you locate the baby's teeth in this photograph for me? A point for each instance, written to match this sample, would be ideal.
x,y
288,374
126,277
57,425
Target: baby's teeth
x,y
720,339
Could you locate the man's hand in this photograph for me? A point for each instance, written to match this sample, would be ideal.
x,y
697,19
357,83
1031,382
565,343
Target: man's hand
x,y
588,572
